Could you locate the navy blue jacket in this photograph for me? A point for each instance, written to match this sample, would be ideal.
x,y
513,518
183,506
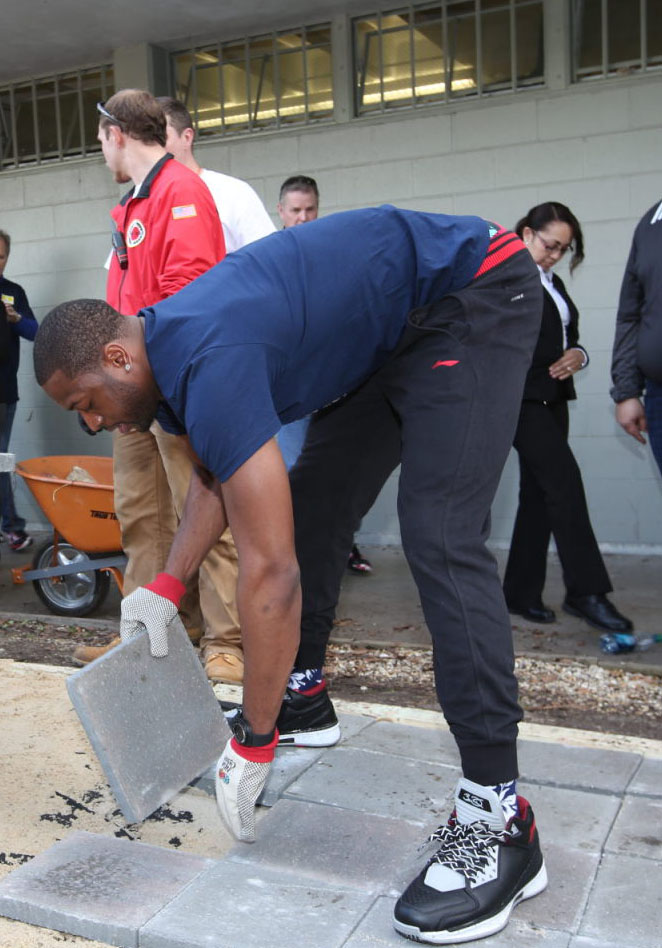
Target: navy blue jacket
x,y
26,328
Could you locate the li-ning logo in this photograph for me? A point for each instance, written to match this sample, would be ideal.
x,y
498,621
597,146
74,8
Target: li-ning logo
x,y
479,802
445,362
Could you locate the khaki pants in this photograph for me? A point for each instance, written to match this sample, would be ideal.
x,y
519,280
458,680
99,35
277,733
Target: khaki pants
x,y
152,471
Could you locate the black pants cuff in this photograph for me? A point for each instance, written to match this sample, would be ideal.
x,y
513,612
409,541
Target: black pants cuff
x,y
489,764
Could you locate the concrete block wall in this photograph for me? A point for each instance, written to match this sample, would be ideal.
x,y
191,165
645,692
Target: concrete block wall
x,y
597,147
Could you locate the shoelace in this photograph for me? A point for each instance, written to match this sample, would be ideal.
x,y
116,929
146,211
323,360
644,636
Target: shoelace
x,y
465,847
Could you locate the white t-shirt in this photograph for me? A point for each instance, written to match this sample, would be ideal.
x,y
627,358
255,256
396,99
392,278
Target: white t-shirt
x,y
243,215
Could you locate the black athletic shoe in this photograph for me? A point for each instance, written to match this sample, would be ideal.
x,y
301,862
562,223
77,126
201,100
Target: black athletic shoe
x,y
307,721
357,563
480,872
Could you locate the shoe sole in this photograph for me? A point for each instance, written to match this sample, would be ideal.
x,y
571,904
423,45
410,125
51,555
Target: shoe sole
x,y
489,926
324,737
595,625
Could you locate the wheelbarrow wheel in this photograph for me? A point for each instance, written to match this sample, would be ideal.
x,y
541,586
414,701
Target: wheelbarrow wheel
x,y
75,594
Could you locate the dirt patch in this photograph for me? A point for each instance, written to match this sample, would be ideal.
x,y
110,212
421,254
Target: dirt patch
x,y
559,691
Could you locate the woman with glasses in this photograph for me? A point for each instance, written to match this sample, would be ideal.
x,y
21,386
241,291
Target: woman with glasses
x,y
551,495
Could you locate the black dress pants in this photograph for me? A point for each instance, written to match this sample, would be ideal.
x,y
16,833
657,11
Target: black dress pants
x,y
445,406
551,501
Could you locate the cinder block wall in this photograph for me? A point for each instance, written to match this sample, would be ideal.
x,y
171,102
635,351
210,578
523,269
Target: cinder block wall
x,y
596,147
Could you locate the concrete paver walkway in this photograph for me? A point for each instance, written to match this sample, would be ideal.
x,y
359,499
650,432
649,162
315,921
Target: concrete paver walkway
x,y
342,839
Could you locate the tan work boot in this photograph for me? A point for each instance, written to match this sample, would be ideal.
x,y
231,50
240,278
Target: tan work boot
x,y
85,654
225,667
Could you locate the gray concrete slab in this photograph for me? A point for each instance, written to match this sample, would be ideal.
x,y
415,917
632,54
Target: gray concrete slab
x,y
625,906
582,820
376,931
335,848
97,886
235,906
289,763
638,831
582,942
561,906
648,778
154,723
564,766
398,787
417,743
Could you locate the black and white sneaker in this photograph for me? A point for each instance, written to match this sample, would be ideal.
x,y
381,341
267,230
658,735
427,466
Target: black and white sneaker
x,y
307,721
483,868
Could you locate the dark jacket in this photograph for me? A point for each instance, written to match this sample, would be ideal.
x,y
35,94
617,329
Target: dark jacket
x,y
637,351
539,385
5,336
26,328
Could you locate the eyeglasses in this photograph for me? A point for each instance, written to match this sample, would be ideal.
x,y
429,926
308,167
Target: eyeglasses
x,y
102,110
556,247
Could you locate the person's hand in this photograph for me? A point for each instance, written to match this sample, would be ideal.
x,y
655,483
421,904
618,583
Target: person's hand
x,y
570,362
152,607
631,417
12,315
241,773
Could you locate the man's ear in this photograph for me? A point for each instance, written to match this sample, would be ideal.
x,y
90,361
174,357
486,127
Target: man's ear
x,y
188,135
115,356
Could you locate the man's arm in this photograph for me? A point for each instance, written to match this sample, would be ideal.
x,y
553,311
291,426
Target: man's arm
x,y
259,510
628,381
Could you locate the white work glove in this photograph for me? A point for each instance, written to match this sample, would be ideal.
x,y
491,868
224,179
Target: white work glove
x,y
152,607
241,773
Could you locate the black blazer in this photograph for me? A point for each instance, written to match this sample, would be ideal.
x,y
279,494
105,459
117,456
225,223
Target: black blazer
x,y
539,386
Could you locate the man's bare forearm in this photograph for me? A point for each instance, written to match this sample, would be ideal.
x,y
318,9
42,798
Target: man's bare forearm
x,y
269,601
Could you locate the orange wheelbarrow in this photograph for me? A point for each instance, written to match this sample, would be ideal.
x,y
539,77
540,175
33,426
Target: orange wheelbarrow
x,y
71,571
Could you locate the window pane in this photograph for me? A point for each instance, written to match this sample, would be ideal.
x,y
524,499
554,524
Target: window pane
x,y
6,136
624,34
529,43
495,26
46,110
429,55
70,115
462,48
588,26
654,30
320,82
24,111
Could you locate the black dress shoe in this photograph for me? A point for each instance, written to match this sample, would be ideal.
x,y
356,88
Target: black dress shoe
x,y
539,613
598,612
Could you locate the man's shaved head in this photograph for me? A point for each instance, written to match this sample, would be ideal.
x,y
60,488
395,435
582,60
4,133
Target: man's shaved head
x,y
72,336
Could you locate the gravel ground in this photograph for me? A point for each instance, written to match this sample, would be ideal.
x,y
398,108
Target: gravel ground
x,y
556,691
561,691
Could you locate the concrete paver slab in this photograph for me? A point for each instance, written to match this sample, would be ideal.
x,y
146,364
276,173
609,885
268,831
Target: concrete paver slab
x,y
97,886
289,763
235,906
625,905
638,831
648,778
153,722
581,942
377,931
417,743
565,766
335,848
398,786
561,906
581,819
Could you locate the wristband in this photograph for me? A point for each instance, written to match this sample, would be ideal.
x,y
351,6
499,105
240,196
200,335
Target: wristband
x,y
169,587
258,755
